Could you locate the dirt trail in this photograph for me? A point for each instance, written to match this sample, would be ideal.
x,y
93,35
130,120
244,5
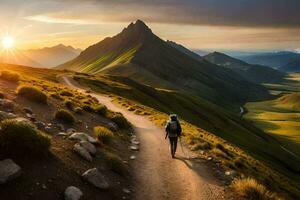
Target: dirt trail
x,y
156,175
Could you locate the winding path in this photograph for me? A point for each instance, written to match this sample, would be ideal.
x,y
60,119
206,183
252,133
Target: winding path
x,y
156,175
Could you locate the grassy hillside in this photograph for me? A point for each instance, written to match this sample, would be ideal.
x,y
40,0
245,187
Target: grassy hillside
x,y
139,54
198,113
253,73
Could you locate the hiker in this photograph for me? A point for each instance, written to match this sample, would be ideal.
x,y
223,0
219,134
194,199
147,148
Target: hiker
x,y
173,130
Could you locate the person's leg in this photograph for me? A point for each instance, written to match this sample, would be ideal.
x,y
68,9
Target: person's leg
x,y
175,144
171,146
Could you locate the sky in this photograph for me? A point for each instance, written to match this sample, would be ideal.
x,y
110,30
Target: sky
x,y
247,25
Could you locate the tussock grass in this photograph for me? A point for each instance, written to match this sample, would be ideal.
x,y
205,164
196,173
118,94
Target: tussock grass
x,y
115,163
119,119
66,93
103,134
68,103
78,110
20,138
10,76
32,93
100,109
65,116
239,163
252,190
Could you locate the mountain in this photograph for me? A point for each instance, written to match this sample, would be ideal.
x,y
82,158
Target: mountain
x,y
185,50
17,57
272,59
139,54
52,56
293,66
253,73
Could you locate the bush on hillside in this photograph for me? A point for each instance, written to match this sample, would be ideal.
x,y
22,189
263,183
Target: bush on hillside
x,y
119,119
33,94
239,163
20,138
10,76
65,116
100,109
87,108
68,104
103,134
115,163
78,110
250,189
66,93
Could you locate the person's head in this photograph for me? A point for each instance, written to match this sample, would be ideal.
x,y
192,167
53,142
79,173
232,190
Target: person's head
x,y
173,117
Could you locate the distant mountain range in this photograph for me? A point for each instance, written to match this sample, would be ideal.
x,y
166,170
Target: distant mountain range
x,y
293,66
139,54
272,59
45,57
253,73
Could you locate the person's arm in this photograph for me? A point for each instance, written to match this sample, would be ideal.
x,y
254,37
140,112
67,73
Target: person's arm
x,y
179,129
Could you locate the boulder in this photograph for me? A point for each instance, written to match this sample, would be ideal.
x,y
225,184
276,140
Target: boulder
x,y
6,115
8,170
82,137
82,152
72,193
40,125
89,147
134,147
95,178
71,130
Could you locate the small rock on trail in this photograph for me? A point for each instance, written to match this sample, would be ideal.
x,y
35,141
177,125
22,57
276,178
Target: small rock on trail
x,y
82,152
89,147
83,137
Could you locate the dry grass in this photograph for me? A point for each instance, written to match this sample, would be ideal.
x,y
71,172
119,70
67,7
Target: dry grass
x,y
65,116
103,134
252,190
10,76
32,93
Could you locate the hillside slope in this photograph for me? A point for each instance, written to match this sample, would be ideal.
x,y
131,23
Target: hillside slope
x,y
139,54
293,66
253,73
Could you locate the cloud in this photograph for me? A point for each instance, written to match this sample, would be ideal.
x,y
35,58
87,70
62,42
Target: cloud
x,y
256,13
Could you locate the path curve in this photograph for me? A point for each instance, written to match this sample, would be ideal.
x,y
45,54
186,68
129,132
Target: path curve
x,y
156,175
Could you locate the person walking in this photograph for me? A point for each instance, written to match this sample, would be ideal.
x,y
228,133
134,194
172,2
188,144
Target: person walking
x,y
173,131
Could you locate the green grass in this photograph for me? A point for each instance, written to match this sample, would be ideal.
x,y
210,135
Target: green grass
x,y
32,93
18,138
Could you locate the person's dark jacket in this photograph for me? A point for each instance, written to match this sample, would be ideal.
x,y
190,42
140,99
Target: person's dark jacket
x,y
179,130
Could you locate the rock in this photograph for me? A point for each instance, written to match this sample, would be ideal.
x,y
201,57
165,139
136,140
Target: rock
x,y
44,186
8,170
231,173
48,128
40,125
28,110
134,148
82,152
133,157
72,193
71,130
63,134
61,127
127,191
83,137
89,147
6,115
95,178
135,142
23,120
6,104
209,158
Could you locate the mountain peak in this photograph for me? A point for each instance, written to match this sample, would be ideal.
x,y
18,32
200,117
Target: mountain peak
x,y
138,26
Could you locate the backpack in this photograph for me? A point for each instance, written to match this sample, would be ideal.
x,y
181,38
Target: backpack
x,y
173,126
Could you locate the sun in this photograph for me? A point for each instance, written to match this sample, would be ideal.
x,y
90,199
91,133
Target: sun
x,y
8,42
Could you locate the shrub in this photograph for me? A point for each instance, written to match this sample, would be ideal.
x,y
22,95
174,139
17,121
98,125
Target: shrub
x,y
219,153
65,116
87,108
103,134
239,162
66,93
68,104
100,109
202,145
119,119
115,163
222,148
252,190
78,110
33,94
10,76
56,96
20,138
